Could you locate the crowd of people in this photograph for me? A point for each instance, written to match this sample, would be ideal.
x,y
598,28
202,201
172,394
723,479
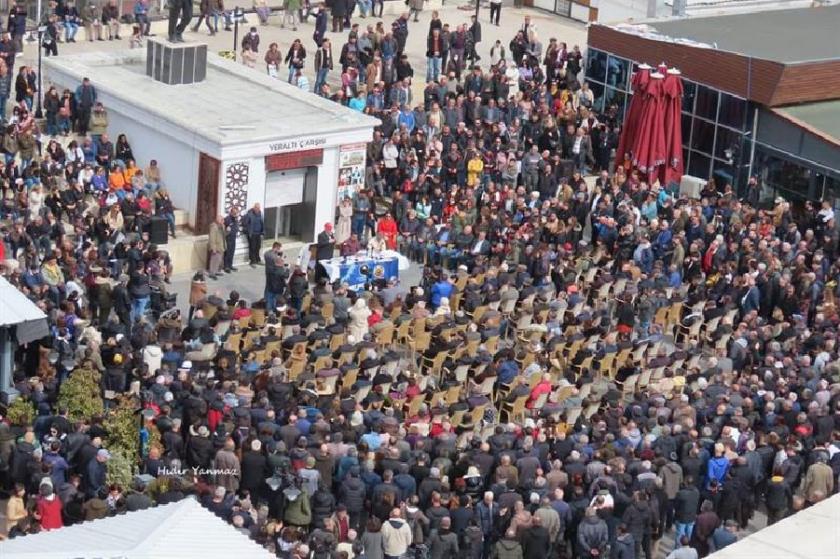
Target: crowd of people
x,y
586,369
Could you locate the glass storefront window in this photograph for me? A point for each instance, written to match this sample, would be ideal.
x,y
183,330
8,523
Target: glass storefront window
x,y
703,136
727,144
689,92
617,71
724,173
596,65
617,98
733,111
686,129
598,93
698,166
707,103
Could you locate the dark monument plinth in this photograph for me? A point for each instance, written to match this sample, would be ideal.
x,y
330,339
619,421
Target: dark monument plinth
x,y
175,63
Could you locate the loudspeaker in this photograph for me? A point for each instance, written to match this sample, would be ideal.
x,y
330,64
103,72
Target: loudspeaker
x,y
158,231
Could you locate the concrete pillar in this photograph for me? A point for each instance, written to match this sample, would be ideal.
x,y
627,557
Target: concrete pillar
x,y
7,364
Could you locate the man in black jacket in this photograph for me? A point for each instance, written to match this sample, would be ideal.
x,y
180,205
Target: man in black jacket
x,y
686,504
475,34
324,250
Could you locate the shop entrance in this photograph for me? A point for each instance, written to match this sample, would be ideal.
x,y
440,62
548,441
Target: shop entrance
x,y
290,204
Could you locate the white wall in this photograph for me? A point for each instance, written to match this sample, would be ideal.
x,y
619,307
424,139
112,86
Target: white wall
x,y
327,188
178,162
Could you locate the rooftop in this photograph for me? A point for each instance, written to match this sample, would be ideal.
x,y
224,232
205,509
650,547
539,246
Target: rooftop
x,y
809,534
181,529
786,36
233,105
823,119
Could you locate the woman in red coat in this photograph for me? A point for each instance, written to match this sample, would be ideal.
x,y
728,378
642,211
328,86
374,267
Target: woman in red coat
x,y
49,508
388,227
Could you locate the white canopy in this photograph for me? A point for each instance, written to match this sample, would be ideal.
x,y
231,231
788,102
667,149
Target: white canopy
x,y
17,310
182,529
809,534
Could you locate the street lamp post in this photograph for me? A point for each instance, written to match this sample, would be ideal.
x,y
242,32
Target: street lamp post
x,y
41,30
238,14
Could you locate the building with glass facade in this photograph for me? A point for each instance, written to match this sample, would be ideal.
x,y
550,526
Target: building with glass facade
x,y
754,104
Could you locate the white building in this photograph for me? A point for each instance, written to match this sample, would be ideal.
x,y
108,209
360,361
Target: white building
x,y
238,137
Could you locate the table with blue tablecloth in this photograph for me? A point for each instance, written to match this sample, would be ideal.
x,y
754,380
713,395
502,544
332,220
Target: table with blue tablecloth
x,y
381,266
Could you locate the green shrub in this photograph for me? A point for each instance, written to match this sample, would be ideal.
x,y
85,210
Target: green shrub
x,y
21,412
81,394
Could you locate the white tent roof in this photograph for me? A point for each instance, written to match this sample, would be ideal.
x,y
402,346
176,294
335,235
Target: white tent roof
x,y
17,310
182,529
813,533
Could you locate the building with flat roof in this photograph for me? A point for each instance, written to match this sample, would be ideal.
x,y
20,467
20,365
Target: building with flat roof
x,y
233,137
761,93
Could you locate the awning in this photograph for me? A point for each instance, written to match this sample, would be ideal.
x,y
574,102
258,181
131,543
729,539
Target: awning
x,y
16,310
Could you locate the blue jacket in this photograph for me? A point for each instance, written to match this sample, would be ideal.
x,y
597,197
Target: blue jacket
x,y
85,97
716,469
439,290
484,516
407,118
252,223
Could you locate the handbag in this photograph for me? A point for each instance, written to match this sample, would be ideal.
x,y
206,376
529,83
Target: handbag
x,y
272,70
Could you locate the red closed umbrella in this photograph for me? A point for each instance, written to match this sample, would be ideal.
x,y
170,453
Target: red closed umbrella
x,y
633,115
673,169
649,143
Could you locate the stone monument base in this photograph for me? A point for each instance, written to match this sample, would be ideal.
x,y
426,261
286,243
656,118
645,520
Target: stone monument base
x,y
175,63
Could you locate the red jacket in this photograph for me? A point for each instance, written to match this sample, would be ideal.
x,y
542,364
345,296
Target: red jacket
x,y
50,513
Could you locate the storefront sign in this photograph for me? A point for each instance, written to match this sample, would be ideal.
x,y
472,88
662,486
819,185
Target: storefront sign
x,y
294,160
297,145
351,170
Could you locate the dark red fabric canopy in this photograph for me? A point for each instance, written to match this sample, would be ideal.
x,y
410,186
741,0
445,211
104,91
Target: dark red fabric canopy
x,y
648,146
638,83
673,169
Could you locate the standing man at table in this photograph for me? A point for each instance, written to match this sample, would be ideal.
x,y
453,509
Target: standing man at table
x,y
324,250
276,275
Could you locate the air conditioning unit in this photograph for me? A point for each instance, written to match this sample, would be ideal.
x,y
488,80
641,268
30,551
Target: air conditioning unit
x,y
691,186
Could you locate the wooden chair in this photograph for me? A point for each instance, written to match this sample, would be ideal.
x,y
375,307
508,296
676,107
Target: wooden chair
x,y
326,386
457,418
403,332
258,316
572,415
591,410
478,313
234,342
336,341
644,378
349,377
476,415
661,316
345,357
419,343
413,406
298,351
295,367
435,364
327,310
485,388
385,336
515,410
492,344
628,387
244,321
452,395
306,303
362,393
251,339
321,363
